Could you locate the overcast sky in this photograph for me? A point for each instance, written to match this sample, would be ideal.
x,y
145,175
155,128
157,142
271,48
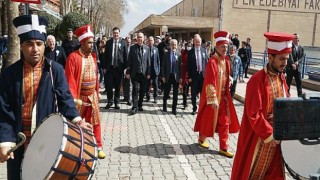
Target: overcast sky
x,y
139,10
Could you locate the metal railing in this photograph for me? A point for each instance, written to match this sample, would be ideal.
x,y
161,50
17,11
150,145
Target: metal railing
x,y
310,67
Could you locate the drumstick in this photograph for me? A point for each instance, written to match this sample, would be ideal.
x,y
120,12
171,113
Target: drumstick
x,y
23,139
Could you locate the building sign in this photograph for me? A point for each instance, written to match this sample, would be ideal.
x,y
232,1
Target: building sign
x,y
306,6
28,1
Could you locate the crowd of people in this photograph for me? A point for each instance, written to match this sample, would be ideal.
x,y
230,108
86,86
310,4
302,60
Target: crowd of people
x,y
67,80
165,62
113,64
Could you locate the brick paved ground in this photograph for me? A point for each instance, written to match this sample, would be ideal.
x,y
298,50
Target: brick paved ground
x,y
157,145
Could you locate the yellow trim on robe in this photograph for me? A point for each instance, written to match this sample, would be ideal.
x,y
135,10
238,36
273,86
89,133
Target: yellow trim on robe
x,y
211,94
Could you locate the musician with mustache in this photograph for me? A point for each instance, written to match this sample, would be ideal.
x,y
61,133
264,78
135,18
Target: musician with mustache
x,y
258,155
28,92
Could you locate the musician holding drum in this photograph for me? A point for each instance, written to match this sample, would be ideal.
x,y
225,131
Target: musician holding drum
x,y
82,76
258,154
31,89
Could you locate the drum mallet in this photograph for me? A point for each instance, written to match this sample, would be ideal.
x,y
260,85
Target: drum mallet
x,y
23,139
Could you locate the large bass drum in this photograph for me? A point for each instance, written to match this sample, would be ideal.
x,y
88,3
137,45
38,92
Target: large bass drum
x,y
59,150
302,157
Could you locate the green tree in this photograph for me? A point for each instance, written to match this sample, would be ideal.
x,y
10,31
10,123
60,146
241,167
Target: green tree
x,y
74,21
57,32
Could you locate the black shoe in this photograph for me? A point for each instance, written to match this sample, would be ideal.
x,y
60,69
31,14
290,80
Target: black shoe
x,y
140,108
174,112
134,111
116,106
108,106
246,77
194,112
164,109
148,99
155,101
184,107
129,103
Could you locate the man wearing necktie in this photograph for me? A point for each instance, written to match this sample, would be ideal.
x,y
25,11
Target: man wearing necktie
x,y
293,68
196,60
116,60
171,74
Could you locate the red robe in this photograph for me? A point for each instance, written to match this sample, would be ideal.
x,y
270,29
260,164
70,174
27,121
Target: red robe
x,y
255,128
207,118
73,71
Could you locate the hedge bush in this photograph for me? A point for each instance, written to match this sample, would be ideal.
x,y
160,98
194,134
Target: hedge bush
x,y
72,20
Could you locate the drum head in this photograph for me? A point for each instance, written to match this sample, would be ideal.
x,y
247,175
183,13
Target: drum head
x,y
302,159
43,149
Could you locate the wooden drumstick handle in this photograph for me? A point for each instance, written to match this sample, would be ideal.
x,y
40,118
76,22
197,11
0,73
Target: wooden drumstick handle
x,y
23,139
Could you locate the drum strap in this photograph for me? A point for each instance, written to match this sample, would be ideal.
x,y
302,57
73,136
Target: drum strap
x,y
54,90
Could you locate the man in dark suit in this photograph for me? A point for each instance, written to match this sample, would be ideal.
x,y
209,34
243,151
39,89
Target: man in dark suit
x,y
70,44
171,74
294,65
155,70
139,71
243,54
249,52
54,52
197,61
115,62
163,46
126,83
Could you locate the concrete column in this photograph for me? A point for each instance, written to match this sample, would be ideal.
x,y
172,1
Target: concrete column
x,y
268,26
157,31
314,29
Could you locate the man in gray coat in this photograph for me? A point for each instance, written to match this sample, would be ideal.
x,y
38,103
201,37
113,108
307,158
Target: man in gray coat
x,y
236,69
